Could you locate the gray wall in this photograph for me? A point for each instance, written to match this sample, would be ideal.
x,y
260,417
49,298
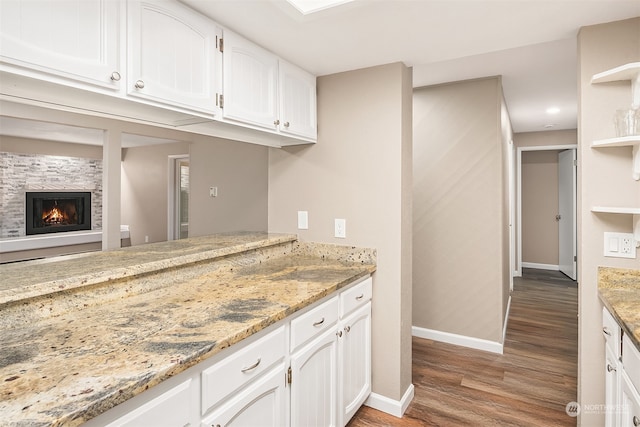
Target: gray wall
x,y
460,213
604,179
360,170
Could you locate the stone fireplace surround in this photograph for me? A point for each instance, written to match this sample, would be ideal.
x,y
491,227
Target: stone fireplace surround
x,y
20,173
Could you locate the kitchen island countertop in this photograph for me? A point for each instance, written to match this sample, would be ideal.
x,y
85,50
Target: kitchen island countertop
x,y
71,355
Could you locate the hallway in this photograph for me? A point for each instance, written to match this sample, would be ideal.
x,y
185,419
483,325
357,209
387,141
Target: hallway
x,y
530,384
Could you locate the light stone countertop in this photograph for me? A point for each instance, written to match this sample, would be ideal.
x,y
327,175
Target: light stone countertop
x,y
69,356
619,290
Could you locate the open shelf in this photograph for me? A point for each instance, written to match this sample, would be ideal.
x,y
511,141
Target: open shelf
x,y
625,141
615,210
624,72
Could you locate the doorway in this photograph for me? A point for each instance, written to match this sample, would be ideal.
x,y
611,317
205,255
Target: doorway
x,y
178,207
564,214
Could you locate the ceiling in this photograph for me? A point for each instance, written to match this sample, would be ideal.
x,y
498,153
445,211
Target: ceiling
x,y
531,43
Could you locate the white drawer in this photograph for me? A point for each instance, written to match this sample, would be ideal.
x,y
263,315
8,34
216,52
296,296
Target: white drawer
x,y
611,332
355,297
314,322
234,371
631,361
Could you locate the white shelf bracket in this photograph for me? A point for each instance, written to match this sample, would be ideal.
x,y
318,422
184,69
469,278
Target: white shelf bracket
x,y
635,91
636,229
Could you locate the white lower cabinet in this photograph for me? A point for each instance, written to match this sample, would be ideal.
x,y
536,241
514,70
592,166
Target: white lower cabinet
x,y
262,404
622,376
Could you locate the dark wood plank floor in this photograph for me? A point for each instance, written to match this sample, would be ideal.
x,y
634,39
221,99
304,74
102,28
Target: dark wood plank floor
x,y
529,385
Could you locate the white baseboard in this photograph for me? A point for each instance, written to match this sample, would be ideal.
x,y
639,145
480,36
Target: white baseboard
x,y
390,406
541,266
461,340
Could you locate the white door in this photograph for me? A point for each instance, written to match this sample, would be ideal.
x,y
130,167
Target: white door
x,y
297,101
567,229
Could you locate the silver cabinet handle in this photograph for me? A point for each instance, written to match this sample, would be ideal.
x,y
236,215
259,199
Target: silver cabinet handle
x,y
276,122
347,328
115,76
318,323
359,297
339,334
286,124
610,368
139,84
606,331
249,368
636,421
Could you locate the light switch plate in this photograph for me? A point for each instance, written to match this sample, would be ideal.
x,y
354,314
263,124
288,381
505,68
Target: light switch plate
x,y
619,245
303,220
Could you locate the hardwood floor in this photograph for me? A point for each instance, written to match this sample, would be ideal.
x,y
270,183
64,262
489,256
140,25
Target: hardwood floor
x,y
529,385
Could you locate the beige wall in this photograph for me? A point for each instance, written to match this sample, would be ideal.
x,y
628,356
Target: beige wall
x,y
540,207
144,197
460,210
545,138
360,170
604,178
51,148
240,171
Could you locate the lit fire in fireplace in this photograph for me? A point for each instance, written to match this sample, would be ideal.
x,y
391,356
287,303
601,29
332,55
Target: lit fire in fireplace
x,y
60,215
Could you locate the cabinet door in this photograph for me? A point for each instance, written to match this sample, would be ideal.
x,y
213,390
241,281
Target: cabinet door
x,y
314,382
355,361
260,405
172,55
250,82
297,101
612,381
76,39
629,403
173,408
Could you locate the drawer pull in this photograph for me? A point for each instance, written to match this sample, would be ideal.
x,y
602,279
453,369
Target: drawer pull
x,y
318,323
339,334
359,297
249,368
610,368
636,421
606,331
347,328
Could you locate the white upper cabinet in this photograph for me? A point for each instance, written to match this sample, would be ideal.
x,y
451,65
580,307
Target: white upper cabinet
x,y
172,55
74,39
250,82
297,101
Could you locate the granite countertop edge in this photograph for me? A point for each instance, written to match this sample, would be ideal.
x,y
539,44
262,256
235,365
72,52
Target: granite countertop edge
x,y
619,291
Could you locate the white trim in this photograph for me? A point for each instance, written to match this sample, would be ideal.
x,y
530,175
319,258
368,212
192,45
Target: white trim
x,y
551,267
171,194
390,406
519,151
54,240
506,321
461,340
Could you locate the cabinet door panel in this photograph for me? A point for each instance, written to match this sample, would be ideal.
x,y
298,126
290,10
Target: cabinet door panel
x,y
250,82
355,356
629,403
313,384
173,54
260,405
76,39
297,101
612,381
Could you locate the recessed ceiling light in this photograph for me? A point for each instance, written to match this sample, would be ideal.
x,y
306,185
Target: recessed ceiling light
x,y
553,110
309,6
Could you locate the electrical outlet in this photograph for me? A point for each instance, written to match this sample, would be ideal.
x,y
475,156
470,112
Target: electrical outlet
x,y
340,228
619,245
303,220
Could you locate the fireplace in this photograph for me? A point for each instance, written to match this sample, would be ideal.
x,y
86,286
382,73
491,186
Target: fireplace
x,y
53,212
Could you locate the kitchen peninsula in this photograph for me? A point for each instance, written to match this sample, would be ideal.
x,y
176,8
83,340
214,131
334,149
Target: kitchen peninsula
x,y
83,334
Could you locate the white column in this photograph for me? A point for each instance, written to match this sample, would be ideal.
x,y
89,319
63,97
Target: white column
x,y
111,160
